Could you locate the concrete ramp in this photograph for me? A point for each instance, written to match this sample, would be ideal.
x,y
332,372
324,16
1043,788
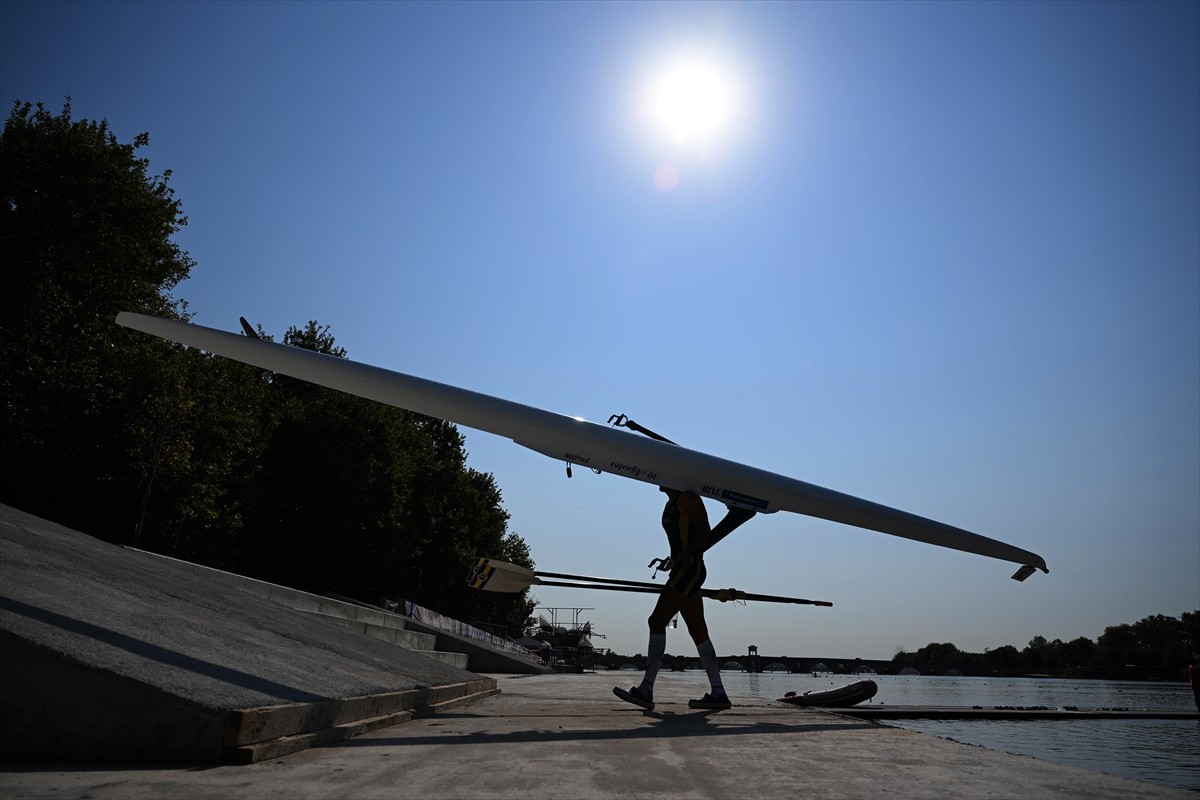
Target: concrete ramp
x,y
109,654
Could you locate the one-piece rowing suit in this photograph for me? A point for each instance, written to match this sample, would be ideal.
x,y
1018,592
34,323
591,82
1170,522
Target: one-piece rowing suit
x,y
681,529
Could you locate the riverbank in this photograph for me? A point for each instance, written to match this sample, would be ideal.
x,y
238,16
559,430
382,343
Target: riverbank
x,y
120,659
568,736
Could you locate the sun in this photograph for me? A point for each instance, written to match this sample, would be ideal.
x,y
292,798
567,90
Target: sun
x,y
693,100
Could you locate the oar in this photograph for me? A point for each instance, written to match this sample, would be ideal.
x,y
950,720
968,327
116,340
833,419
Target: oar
x,y
492,575
654,587
723,595
497,576
642,586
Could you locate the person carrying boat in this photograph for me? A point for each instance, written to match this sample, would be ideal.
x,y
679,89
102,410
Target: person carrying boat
x,y
685,521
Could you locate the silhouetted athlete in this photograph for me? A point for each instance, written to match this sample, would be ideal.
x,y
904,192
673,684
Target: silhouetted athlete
x,y
685,521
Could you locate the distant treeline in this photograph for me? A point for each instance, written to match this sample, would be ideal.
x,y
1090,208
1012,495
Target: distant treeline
x,y
138,441
1155,647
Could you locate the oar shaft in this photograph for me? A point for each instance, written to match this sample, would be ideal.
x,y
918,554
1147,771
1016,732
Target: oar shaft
x,y
646,584
605,586
723,595
733,594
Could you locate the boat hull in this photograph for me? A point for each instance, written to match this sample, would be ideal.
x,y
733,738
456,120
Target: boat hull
x,y
588,444
841,697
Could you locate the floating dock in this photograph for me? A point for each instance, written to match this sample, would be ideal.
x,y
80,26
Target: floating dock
x,y
883,712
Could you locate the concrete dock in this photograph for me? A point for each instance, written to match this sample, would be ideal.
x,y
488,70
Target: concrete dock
x,y
883,712
109,654
566,736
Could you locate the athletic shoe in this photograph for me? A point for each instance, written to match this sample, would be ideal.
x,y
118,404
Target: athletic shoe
x,y
718,701
635,696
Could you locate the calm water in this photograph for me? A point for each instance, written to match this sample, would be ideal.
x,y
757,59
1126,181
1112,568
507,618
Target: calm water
x,y
1163,751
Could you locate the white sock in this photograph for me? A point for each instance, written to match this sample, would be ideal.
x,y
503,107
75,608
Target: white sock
x,y
708,657
654,654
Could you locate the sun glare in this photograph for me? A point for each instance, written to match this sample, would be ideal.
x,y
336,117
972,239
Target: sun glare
x,y
693,100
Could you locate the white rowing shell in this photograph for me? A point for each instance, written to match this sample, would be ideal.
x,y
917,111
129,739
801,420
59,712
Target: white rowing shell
x,y
587,444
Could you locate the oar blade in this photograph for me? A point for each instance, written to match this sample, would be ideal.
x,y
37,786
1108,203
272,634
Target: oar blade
x,y
491,575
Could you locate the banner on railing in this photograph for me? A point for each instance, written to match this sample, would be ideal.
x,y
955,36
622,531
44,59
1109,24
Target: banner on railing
x,y
442,622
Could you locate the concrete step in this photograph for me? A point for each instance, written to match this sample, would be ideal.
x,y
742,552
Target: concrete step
x,y
459,660
401,637
373,622
395,710
110,654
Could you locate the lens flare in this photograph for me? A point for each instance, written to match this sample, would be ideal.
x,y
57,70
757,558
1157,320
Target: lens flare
x,y
666,177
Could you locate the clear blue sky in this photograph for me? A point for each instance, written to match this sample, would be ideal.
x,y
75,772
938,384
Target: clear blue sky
x,y
943,256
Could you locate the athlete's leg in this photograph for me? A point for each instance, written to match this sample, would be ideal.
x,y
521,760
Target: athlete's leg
x,y
693,615
667,606
692,611
669,603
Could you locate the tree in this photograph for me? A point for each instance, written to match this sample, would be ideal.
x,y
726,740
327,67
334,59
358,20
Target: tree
x,y
517,613
85,232
1004,660
1078,653
200,441
1160,640
1189,627
1035,652
369,501
133,438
